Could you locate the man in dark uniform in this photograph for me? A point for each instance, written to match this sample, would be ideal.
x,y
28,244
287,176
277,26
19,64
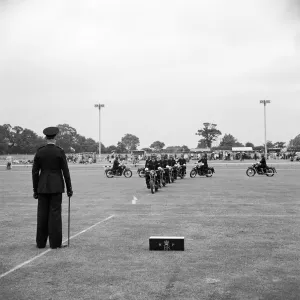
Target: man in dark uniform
x,y
49,168
164,164
117,165
263,163
182,163
152,165
203,160
172,163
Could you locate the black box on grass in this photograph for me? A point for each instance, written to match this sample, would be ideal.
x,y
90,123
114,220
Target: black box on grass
x,y
166,243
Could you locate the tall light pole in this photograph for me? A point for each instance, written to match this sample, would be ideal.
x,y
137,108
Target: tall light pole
x,y
99,107
265,104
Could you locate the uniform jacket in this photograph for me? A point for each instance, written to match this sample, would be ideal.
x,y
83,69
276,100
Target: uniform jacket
x,y
152,165
181,161
204,161
163,163
171,162
263,162
147,162
49,168
116,164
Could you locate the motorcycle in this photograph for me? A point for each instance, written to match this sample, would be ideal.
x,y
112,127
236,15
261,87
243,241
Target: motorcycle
x,y
8,166
161,181
153,181
141,172
208,172
181,171
171,174
110,173
255,169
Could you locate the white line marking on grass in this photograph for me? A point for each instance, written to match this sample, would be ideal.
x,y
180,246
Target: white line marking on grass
x,y
43,253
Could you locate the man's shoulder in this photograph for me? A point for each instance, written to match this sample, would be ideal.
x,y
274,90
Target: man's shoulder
x,y
41,147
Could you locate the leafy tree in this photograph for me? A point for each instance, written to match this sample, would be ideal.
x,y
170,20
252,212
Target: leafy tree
x,y
157,146
209,133
67,137
202,143
148,150
121,148
249,144
279,145
229,140
295,142
184,148
111,148
130,141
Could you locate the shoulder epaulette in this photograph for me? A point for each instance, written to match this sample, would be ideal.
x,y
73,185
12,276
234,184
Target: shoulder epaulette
x,y
59,147
41,147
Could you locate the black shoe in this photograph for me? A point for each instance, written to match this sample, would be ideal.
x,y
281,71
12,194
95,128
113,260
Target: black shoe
x,y
40,247
148,186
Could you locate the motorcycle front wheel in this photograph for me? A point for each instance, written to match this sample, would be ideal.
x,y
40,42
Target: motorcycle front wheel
x,y
152,186
109,174
250,172
193,173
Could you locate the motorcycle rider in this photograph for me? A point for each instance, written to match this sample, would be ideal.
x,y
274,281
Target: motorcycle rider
x,y
164,165
182,162
117,166
172,163
203,160
262,164
151,165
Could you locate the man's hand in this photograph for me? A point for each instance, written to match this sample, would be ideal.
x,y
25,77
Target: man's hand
x,y
70,193
35,195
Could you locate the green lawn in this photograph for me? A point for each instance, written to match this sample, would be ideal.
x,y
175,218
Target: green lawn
x,y
242,238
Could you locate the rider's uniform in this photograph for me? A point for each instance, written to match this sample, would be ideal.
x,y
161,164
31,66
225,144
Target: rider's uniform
x,y
151,165
204,166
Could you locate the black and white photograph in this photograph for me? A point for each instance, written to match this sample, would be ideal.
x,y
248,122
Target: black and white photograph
x,y
150,150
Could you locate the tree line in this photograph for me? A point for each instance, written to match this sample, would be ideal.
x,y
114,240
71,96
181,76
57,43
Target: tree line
x,y
18,140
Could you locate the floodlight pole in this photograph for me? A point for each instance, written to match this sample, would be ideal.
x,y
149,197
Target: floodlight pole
x,y
99,107
265,122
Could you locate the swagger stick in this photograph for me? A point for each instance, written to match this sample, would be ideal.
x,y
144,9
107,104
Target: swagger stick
x,y
69,223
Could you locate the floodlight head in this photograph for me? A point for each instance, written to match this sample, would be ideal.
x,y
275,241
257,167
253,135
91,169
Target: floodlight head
x,y
101,105
268,101
96,105
262,101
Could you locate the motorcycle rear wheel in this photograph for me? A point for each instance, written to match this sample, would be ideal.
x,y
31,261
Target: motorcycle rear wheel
x,y
209,173
142,174
127,173
270,172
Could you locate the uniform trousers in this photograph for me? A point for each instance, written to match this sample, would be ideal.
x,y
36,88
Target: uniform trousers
x,y
49,223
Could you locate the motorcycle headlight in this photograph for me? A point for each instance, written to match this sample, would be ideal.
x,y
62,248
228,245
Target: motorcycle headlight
x,y
184,165
146,169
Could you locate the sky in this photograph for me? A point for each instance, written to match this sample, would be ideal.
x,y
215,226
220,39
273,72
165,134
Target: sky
x,y
161,68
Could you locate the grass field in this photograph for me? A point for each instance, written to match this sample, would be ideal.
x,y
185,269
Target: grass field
x,y
242,238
